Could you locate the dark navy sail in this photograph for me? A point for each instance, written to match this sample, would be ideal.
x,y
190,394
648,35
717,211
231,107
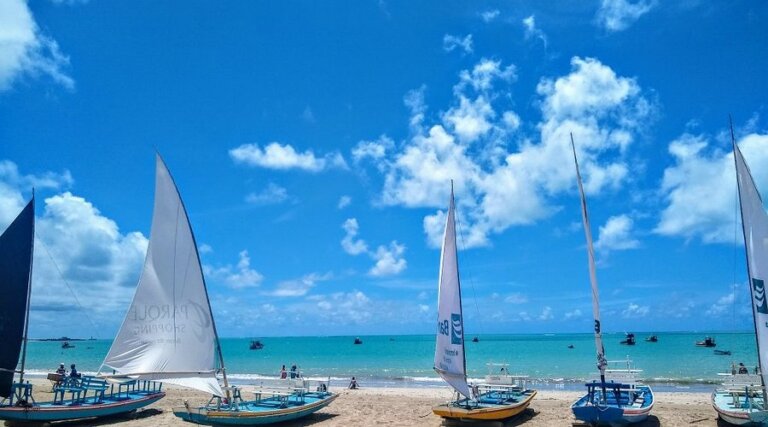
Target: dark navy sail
x,y
15,267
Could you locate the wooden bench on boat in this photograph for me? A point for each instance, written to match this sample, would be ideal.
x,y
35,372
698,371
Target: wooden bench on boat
x,y
282,395
79,389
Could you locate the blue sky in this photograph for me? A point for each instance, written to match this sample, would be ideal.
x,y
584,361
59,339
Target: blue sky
x,y
314,143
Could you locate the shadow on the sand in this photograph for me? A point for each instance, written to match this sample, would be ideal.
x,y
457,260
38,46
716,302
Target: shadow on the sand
x,y
315,418
101,421
518,420
651,421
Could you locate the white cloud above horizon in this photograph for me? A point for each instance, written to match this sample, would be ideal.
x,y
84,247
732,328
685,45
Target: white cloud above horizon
x,y
388,259
497,184
618,15
616,235
277,156
25,51
451,42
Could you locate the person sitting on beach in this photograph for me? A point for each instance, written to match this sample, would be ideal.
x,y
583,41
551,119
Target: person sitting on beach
x,y
353,383
73,372
293,371
61,371
743,369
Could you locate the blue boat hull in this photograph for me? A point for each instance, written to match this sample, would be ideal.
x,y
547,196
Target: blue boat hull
x,y
628,410
49,412
256,412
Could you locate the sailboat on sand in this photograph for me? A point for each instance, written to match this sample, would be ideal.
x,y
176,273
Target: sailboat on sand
x,y
169,334
742,400
608,402
74,397
479,402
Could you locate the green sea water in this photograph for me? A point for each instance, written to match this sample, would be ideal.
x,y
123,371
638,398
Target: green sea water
x,y
674,362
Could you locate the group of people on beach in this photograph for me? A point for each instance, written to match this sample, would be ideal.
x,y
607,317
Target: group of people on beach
x,y
63,372
294,372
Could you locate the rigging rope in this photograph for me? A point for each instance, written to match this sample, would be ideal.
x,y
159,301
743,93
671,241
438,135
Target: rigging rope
x,y
85,312
470,277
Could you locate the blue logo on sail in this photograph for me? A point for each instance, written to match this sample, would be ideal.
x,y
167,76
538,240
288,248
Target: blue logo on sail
x,y
456,332
758,292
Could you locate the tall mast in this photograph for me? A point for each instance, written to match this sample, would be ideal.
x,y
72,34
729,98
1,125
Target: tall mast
x,y
737,152
29,295
601,362
458,278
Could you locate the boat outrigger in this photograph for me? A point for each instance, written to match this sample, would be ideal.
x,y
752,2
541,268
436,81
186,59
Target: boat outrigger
x,y
741,400
616,398
481,402
74,397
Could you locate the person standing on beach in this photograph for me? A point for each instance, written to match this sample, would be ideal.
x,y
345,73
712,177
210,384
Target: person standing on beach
x,y
283,374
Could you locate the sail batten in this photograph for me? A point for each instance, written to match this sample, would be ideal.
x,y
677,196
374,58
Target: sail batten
x,y
168,329
754,222
450,360
16,246
599,347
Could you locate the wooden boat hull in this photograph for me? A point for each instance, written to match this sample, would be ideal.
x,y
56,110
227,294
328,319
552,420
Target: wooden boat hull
x,y
735,409
246,415
613,414
49,412
484,412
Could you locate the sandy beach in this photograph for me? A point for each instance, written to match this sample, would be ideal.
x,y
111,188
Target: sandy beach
x,y
412,407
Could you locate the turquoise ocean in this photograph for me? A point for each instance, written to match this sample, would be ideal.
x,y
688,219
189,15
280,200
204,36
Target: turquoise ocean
x,y
673,363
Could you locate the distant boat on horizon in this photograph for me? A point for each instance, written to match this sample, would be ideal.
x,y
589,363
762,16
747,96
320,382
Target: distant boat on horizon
x,y
707,342
652,338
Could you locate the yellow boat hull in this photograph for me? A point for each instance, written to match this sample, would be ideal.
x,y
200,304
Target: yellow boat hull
x,y
483,413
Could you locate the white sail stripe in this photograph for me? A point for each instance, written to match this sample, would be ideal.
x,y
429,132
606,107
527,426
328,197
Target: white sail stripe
x,y
601,361
755,227
450,362
169,326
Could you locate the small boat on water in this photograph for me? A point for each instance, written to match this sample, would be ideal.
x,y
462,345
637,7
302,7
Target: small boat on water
x,y
629,340
66,345
742,398
723,352
479,402
570,346
475,339
256,345
708,342
74,398
616,398
652,338
358,341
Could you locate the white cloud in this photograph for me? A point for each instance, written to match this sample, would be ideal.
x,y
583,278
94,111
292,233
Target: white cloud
x,y
272,194
700,188
575,314
546,314
25,50
308,116
374,150
284,157
497,184
616,234
346,307
634,311
298,287
533,32
344,201
490,15
516,298
205,249
618,15
389,260
350,244
452,42
240,276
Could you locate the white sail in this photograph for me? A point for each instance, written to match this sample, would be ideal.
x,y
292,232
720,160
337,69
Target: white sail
x,y
601,361
755,226
450,363
168,332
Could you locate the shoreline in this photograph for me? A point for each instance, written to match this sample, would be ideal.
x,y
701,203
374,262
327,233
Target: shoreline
x,y
403,406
